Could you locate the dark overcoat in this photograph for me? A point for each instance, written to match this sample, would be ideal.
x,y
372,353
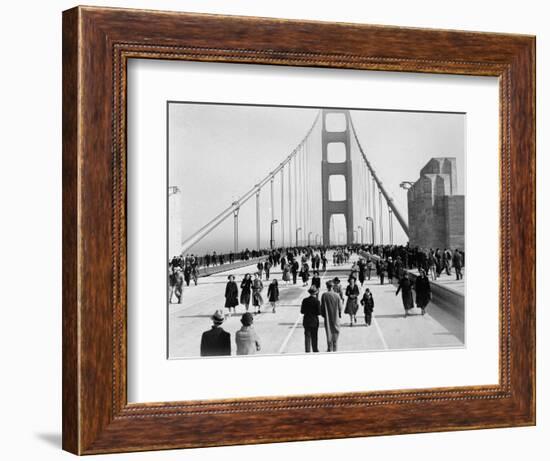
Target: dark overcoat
x,y
311,309
423,291
406,293
231,294
215,341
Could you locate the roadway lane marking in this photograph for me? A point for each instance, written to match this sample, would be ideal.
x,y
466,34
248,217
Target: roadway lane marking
x,y
288,336
379,330
291,332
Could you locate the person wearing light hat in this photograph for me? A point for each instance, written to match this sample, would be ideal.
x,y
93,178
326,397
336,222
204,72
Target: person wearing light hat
x,y
216,341
311,309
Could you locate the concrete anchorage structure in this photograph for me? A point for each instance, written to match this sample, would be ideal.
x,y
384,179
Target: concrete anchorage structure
x,y
436,211
329,168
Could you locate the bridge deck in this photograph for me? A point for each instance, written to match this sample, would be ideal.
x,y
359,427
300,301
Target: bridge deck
x,y
282,332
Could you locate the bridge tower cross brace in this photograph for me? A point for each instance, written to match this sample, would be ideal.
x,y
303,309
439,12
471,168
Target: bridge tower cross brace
x,y
333,207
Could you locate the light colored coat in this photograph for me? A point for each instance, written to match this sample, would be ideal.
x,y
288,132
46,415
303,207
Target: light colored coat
x,y
247,341
331,310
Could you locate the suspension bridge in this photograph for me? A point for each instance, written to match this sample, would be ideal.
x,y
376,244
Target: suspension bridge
x,y
346,203
323,195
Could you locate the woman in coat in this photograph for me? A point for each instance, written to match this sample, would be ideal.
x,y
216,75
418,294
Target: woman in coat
x,y
368,306
246,338
304,273
245,291
423,291
257,287
273,294
405,287
352,303
231,294
286,273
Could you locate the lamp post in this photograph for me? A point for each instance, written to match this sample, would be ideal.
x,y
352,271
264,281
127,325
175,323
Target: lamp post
x,y
368,218
309,238
355,234
298,229
406,185
272,240
236,226
317,239
362,237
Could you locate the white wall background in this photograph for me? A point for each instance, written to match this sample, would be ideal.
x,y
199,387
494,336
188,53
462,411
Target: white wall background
x,y
30,243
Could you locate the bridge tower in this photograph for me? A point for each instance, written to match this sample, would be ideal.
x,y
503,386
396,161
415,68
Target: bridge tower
x,y
336,138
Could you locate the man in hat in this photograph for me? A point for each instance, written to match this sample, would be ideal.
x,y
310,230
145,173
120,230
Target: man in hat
x,y
216,341
331,310
311,308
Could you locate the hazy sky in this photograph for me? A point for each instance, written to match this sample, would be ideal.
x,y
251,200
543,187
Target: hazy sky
x,y
218,152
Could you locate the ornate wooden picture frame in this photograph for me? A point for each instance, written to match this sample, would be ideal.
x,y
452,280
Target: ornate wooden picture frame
x,y
97,44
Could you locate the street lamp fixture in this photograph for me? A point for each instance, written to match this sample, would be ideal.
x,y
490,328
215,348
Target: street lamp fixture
x,y
272,240
406,185
298,229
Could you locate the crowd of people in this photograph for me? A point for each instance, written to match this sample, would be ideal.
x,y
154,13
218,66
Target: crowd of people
x,y
389,264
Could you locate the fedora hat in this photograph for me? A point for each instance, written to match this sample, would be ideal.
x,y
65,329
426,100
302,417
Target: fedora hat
x,y
313,290
218,317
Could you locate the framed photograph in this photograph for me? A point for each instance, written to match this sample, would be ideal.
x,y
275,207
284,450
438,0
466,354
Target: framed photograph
x,y
282,230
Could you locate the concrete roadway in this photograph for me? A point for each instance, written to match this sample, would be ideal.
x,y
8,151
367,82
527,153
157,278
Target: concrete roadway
x,y
282,332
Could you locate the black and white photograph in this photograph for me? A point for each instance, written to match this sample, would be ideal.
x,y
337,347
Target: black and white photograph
x,y
305,230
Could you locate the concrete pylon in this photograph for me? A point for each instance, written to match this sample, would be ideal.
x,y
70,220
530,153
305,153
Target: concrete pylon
x,y
332,207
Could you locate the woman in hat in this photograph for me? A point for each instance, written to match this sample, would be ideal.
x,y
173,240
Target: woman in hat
x,y
352,304
231,294
246,285
273,294
246,338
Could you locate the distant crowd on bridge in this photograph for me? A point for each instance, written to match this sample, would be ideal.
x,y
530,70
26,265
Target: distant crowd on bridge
x,y
391,264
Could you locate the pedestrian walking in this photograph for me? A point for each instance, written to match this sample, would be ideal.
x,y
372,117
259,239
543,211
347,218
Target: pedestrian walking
x,y
248,342
267,268
390,269
231,294
381,269
260,267
311,309
246,289
352,303
405,288
257,287
362,269
457,264
423,291
294,269
316,280
273,294
368,306
286,273
216,341
304,273
331,310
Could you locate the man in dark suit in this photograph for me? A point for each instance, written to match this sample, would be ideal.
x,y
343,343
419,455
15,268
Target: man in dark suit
x,y
216,341
311,309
